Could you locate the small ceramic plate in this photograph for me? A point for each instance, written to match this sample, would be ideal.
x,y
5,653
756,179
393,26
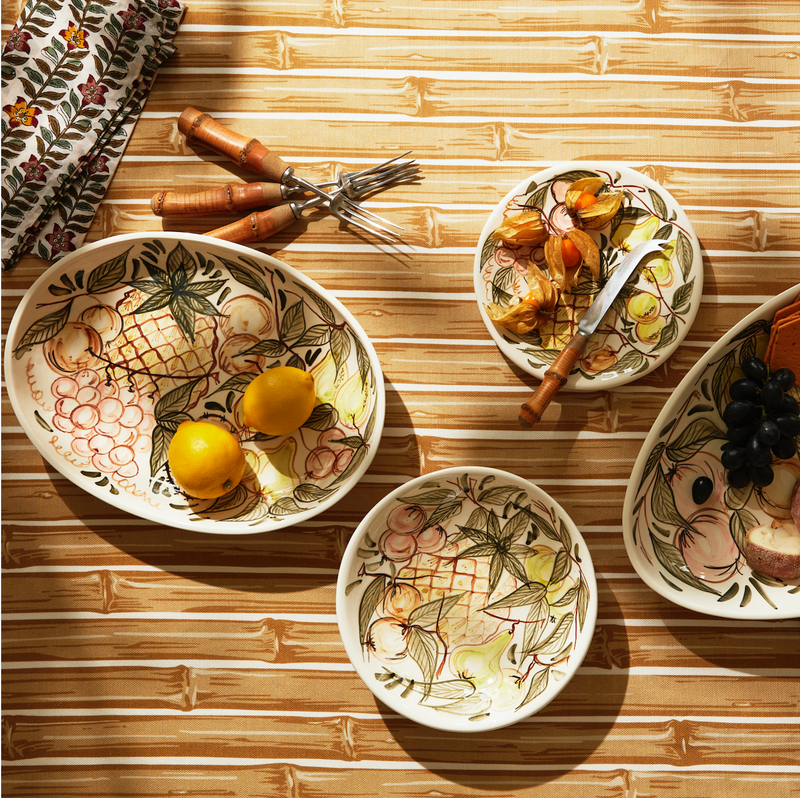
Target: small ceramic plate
x,y
119,342
692,554
653,313
466,599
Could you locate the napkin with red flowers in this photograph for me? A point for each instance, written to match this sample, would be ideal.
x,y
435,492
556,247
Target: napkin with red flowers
x,y
75,76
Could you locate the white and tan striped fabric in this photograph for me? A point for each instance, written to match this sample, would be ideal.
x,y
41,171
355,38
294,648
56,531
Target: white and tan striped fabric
x,y
141,660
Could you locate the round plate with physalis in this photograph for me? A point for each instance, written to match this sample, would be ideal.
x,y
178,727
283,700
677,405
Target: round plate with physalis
x,y
466,599
711,510
130,364
547,250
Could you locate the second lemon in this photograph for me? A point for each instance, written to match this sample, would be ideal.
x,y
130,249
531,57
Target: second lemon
x,y
279,401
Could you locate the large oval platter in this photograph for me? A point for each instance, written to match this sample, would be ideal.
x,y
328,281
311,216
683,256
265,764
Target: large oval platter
x,y
654,311
119,342
466,599
693,554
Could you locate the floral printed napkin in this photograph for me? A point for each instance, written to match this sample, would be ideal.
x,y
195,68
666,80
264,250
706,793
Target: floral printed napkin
x,y
75,76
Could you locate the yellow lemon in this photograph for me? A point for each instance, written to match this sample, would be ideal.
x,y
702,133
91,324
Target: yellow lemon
x,y
205,460
279,400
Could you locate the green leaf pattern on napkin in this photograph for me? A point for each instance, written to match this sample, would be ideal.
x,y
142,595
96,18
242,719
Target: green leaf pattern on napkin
x,y
75,76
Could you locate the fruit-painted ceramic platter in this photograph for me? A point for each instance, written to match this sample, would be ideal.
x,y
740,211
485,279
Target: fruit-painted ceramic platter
x,y
651,316
119,342
466,599
692,554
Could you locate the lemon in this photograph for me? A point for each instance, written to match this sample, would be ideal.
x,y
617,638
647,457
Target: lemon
x,y
205,460
279,400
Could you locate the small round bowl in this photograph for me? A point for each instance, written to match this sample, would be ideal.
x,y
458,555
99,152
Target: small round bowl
x,y
119,342
466,599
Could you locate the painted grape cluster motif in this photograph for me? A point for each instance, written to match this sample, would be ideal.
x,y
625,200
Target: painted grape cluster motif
x,y
124,353
647,317
472,596
699,545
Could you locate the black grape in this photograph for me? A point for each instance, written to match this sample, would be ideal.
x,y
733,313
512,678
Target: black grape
x,y
768,431
745,389
760,476
788,424
755,368
740,435
757,454
784,378
702,488
772,397
734,458
738,478
739,412
789,405
784,448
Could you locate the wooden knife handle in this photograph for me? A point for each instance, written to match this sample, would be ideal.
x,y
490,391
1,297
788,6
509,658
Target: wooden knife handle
x,y
249,153
554,379
225,199
256,226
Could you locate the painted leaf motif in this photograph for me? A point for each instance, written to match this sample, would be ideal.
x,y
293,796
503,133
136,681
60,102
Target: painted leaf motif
x,y
443,512
529,593
43,329
369,601
424,650
431,497
683,251
340,347
692,439
158,453
537,685
663,503
561,567
176,400
451,689
498,495
324,416
535,625
514,527
293,322
107,274
673,560
557,638
431,612
247,277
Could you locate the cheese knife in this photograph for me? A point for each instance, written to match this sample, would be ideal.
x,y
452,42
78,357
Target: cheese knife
x,y
556,376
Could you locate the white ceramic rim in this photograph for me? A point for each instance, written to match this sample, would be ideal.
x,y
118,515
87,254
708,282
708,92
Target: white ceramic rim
x,y
578,382
349,633
200,525
691,601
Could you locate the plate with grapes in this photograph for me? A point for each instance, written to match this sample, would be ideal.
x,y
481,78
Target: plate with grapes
x,y
120,342
684,523
653,313
466,599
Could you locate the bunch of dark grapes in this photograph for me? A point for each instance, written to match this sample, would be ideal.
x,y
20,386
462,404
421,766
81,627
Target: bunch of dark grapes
x,y
763,421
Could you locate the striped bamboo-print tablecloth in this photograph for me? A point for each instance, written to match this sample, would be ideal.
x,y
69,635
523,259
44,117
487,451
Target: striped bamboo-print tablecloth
x,y
141,660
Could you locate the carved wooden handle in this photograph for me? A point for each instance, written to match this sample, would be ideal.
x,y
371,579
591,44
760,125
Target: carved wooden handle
x,y
554,379
250,153
256,226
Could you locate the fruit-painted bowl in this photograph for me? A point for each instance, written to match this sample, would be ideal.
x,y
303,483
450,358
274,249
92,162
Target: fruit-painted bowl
x,y
119,342
466,599
693,553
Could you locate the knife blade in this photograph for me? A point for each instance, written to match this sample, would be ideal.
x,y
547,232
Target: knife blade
x,y
556,376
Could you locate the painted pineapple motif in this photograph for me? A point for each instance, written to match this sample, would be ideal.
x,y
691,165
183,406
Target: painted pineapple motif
x,y
153,343
472,615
